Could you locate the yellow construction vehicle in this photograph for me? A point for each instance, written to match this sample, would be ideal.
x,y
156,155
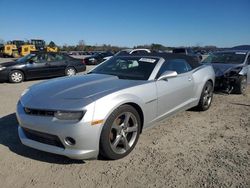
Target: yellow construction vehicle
x,y
51,49
26,49
41,45
9,50
17,48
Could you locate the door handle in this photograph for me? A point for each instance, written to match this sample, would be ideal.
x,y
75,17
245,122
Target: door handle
x,y
190,79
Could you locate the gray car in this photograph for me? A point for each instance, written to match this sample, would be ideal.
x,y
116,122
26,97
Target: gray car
x,y
104,112
232,70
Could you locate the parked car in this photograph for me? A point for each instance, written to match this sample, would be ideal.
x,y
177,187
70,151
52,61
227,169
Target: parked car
x,y
139,51
232,69
40,65
97,58
104,112
187,51
79,54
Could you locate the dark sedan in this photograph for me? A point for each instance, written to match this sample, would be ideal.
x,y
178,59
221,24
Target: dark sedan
x,y
97,58
40,65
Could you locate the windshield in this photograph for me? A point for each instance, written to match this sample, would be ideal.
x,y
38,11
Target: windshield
x,y
132,68
226,58
25,58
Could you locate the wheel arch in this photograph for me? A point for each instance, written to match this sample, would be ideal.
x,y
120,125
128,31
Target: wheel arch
x,y
139,110
71,66
210,80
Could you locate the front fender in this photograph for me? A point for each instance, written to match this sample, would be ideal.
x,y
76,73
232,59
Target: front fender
x,y
144,96
105,106
201,76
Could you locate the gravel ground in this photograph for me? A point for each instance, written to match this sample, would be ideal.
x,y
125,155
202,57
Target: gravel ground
x,y
190,149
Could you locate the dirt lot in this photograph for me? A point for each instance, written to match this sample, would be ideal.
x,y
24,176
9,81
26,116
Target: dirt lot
x,y
191,149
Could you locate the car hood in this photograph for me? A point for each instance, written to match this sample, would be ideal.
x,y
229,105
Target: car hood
x,y
74,92
9,64
220,68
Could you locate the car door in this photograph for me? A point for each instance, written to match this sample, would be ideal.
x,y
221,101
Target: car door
x,y
57,64
37,66
174,93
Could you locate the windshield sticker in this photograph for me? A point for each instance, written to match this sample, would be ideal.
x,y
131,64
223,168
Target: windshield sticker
x,y
242,53
148,60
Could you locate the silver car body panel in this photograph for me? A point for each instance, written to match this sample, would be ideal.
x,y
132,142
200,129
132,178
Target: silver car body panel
x,y
248,68
99,95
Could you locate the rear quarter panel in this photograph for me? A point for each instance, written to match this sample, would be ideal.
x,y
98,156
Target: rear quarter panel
x,y
201,75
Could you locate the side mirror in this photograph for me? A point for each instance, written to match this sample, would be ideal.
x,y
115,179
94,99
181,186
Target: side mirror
x,y
167,74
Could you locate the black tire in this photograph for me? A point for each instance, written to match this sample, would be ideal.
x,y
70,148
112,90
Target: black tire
x,y
117,138
70,71
16,76
206,97
241,85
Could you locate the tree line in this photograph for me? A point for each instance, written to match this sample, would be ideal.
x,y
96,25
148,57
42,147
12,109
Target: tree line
x,y
81,46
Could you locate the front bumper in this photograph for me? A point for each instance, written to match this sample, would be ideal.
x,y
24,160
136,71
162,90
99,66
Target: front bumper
x,y
226,83
85,135
4,75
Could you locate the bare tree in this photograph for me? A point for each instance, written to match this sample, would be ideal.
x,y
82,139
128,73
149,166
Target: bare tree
x,y
1,41
81,45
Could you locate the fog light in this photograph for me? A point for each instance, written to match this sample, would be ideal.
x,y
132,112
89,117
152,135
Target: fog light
x,y
70,141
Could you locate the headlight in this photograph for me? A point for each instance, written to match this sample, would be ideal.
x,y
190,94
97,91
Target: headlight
x,y
69,115
233,71
24,92
238,69
92,59
2,68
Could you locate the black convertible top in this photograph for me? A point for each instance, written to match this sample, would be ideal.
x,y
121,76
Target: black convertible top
x,y
192,61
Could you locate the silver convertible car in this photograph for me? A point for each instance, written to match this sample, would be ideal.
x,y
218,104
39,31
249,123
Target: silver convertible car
x,y
104,112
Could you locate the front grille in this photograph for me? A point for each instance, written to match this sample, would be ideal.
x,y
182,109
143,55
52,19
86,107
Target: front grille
x,y
43,138
36,112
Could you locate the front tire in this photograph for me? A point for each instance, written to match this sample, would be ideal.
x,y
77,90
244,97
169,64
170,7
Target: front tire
x,y
206,97
70,71
16,76
120,133
241,85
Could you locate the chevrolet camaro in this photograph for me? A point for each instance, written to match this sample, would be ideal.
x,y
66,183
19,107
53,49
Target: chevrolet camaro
x,y
104,112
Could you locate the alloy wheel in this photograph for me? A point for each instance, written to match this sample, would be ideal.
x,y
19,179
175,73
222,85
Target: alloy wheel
x,y
16,77
70,72
123,133
207,97
243,85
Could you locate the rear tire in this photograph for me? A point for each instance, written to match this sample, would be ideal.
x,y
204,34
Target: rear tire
x,y
241,85
206,97
16,76
70,71
120,133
